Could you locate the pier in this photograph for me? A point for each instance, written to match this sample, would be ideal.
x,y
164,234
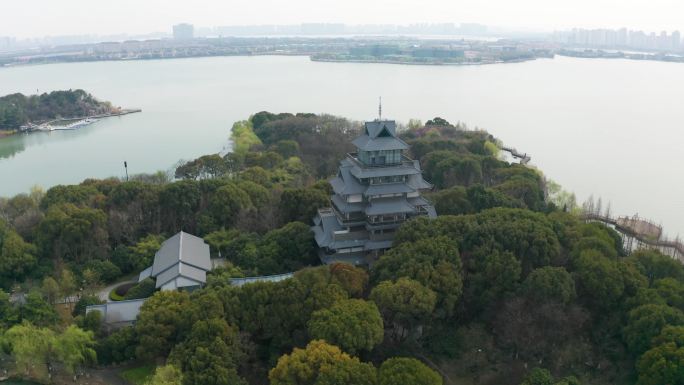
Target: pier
x,y
638,233
524,158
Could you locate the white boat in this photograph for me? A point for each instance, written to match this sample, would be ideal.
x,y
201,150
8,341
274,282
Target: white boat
x,y
76,125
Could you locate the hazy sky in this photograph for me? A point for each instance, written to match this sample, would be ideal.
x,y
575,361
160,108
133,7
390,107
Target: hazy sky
x,y
35,18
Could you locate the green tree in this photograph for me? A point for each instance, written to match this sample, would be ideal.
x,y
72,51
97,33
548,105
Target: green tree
x,y
71,233
646,322
30,346
50,290
671,290
321,363
166,375
301,204
453,201
663,364
404,303
83,302
162,323
599,279
210,355
227,202
655,265
37,311
352,279
287,249
538,376
117,347
178,203
142,289
434,262
74,347
17,257
493,274
550,284
407,371
8,313
286,148
142,253
352,324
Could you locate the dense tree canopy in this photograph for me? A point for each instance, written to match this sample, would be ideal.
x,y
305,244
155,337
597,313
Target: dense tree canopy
x,y
352,324
504,279
321,363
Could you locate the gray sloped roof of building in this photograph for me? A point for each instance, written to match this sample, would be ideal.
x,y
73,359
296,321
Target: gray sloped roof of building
x,y
182,247
389,206
182,270
374,128
366,143
346,184
145,274
327,224
371,172
377,245
347,243
347,207
391,188
419,201
417,182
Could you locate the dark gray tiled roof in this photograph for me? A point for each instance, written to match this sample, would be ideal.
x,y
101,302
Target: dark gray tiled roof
x,y
366,143
377,245
344,244
389,206
181,269
184,257
391,188
403,169
417,182
182,247
375,127
346,184
347,207
323,231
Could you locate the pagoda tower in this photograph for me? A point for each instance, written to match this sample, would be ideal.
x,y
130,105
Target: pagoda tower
x,y
376,189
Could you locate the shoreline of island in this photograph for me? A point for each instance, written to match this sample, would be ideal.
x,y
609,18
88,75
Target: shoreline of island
x,y
57,110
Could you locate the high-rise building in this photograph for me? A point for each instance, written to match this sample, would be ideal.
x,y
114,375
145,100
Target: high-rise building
x,y
676,41
183,31
376,190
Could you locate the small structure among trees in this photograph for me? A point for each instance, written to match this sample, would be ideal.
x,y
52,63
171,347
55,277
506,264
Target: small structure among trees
x,y
182,262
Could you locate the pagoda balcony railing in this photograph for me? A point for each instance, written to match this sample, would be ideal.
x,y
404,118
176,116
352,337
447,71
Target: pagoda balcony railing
x,y
350,235
354,157
382,237
353,218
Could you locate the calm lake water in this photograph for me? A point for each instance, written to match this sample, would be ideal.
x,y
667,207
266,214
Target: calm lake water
x,y
611,128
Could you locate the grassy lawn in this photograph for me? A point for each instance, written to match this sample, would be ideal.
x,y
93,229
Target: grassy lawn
x,y
118,293
139,375
115,297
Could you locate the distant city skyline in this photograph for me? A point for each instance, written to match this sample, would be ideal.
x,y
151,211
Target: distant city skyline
x,y
620,38
39,18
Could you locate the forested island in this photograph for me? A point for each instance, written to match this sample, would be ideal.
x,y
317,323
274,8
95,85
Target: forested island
x,y
17,110
508,285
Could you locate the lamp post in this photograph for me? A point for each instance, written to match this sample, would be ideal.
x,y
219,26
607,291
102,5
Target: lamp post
x,y
126,167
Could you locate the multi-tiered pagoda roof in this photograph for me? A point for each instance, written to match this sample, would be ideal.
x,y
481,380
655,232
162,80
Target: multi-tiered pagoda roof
x,y
376,189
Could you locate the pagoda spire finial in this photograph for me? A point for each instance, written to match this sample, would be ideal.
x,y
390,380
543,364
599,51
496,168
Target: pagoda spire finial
x,y
380,109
